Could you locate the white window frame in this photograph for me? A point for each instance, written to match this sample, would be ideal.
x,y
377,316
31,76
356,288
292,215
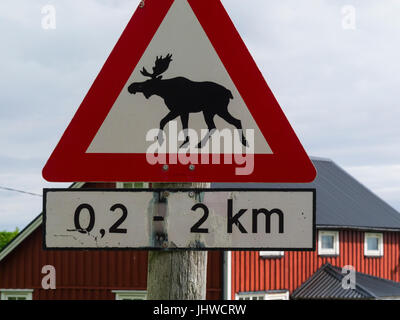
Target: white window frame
x,y
272,254
250,296
130,294
16,293
120,185
263,295
373,253
328,252
277,296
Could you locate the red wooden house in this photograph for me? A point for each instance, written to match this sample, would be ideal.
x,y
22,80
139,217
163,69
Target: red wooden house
x,y
354,226
82,274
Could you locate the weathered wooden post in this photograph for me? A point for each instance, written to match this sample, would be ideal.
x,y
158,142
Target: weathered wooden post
x,y
177,275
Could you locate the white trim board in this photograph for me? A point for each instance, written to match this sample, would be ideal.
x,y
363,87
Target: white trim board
x,y
24,293
130,294
29,229
21,236
227,274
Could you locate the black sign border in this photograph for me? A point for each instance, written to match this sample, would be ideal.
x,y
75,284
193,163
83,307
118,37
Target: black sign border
x,y
171,190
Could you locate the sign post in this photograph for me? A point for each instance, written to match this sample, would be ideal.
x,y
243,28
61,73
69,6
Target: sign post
x,y
179,102
177,275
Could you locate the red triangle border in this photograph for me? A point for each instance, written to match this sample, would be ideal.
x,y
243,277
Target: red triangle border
x,y
69,162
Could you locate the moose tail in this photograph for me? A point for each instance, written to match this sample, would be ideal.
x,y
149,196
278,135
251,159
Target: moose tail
x,y
230,94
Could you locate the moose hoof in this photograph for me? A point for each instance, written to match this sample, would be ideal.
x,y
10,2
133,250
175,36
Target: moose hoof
x,y
184,144
245,143
160,139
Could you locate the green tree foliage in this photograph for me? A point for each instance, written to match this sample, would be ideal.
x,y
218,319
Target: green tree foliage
x,y
6,237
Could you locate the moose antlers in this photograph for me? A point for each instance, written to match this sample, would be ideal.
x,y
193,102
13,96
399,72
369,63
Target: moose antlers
x,y
161,65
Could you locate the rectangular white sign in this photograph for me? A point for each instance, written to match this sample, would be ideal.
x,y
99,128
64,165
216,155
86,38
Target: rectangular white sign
x,y
280,219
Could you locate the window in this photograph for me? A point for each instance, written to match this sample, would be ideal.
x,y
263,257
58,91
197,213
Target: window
x,y
373,245
272,254
328,243
263,295
16,294
277,296
130,294
250,296
132,185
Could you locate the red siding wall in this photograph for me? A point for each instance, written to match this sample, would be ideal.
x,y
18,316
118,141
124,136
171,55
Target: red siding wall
x,y
86,274
252,273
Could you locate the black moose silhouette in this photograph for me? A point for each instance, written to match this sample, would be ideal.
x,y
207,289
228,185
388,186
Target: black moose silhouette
x,y
183,96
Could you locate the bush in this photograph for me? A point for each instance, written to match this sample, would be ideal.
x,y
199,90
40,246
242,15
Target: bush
x,y
6,237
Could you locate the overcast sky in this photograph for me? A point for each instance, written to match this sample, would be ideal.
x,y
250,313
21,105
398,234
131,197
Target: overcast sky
x,y
339,87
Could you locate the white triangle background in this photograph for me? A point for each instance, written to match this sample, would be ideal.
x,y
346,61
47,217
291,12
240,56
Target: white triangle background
x,y
132,116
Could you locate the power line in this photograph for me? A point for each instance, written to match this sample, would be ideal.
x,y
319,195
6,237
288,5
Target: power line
x,y
20,191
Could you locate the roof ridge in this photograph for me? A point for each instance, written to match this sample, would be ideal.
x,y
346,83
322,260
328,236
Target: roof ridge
x,y
378,278
334,271
312,158
325,267
366,188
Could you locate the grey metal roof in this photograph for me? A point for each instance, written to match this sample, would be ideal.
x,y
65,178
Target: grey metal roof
x,y
326,283
342,201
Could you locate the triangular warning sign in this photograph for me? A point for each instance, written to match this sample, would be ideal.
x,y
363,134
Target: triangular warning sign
x,y
181,67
